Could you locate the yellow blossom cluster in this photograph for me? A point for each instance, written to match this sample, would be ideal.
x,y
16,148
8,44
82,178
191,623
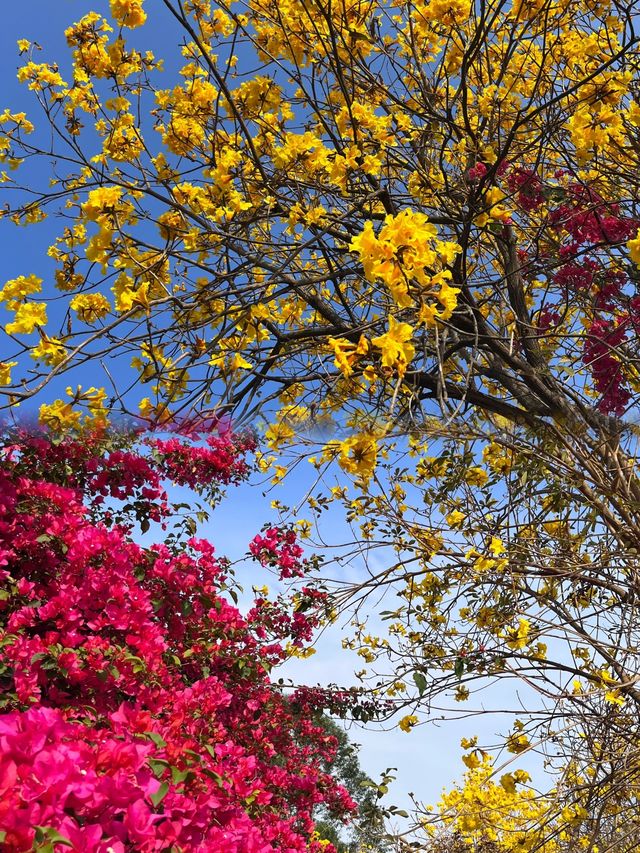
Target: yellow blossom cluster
x,y
123,141
95,56
347,354
128,13
40,76
50,351
5,371
396,349
27,315
408,257
189,108
63,416
357,455
505,812
90,307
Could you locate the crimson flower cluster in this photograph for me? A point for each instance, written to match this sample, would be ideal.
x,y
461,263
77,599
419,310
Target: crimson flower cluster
x,y
527,188
137,713
277,547
220,461
586,266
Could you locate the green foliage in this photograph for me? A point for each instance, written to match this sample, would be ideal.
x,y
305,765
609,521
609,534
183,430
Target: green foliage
x,y
368,833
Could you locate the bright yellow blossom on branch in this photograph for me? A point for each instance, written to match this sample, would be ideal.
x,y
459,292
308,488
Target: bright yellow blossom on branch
x,y
395,346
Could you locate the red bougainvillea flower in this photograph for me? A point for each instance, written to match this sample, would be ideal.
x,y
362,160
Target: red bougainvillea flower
x,y
137,712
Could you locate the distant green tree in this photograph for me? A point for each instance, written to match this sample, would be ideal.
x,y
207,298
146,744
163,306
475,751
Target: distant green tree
x,y
367,834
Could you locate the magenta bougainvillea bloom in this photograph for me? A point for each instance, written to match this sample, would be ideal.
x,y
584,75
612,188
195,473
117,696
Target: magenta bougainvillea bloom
x,y
137,711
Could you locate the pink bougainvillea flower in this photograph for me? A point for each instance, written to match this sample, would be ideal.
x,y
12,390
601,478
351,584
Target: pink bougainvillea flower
x,y
138,712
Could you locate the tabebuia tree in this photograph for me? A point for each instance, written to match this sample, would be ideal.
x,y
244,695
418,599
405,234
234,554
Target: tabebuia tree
x,y
137,710
405,232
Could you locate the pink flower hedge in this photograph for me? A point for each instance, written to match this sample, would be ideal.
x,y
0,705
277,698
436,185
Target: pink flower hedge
x,y
136,707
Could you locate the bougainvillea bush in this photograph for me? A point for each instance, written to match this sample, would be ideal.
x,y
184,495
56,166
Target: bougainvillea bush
x,y
137,709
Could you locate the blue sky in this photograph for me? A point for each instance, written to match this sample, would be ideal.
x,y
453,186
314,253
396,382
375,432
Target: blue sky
x,y
429,757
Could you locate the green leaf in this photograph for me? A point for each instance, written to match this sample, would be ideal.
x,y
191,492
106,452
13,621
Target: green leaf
x,y
156,738
47,834
459,668
158,766
420,682
160,794
178,776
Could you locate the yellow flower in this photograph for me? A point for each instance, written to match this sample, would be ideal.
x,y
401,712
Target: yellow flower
x,y
405,251
129,296
346,353
498,458
517,743
455,519
448,12
158,413
238,362
473,759
296,652
40,76
98,412
359,455
16,289
428,314
128,13
90,306
408,722
278,434
634,249
448,297
476,477
100,202
496,546
50,350
494,210
508,782
613,697
27,317
483,564
124,142
183,134
518,638
59,416
5,371
397,352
